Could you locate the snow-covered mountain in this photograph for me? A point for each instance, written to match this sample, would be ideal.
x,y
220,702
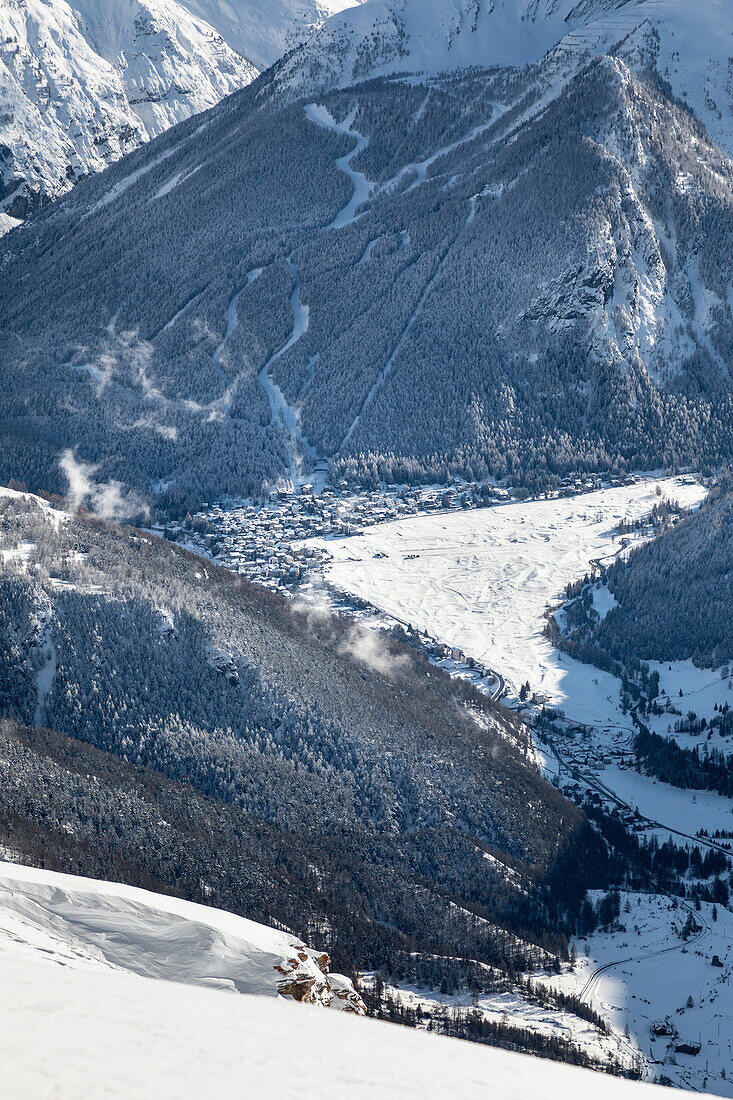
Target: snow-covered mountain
x,y
521,270
691,43
435,36
82,84
82,1008
263,30
503,272
84,924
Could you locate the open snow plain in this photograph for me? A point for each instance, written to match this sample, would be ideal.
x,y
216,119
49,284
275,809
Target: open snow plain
x,y
481,580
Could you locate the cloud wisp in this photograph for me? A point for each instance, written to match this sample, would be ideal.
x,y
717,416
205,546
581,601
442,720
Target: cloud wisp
x,y
105,498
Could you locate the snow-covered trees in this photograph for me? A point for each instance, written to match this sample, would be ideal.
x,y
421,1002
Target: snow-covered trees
x,y
378,792
521,288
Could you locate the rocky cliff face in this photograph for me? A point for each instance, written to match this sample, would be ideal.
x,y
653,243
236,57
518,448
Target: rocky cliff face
x,y
305,977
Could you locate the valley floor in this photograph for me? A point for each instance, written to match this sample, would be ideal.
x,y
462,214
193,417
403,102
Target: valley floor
x,y
482,580
645,973
481,583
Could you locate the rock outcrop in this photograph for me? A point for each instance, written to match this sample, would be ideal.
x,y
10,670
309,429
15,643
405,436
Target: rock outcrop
x,y
305,977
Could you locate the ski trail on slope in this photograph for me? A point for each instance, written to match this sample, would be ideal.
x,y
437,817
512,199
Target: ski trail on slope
x,y
279,408
45,661
232,323
363,190
386,370
362,186
44,682
420,167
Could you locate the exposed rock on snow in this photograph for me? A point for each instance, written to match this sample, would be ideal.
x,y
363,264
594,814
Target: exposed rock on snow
x,y
82,923
159,1041
224,663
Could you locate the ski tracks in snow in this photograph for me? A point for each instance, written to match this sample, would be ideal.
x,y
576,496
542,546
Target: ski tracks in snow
x,y
232,323
279,408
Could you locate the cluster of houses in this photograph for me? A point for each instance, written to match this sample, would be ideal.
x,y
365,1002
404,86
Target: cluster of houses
x,y
263,542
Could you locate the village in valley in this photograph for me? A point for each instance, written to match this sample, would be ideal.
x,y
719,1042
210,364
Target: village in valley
x,y
285,542
264,541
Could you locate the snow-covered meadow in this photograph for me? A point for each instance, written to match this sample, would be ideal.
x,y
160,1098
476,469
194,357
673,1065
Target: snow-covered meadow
x,y
652,974
482,580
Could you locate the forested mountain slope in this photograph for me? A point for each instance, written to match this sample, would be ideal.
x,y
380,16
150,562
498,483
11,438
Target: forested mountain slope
x,y
267,759
84,83
513,272
673,597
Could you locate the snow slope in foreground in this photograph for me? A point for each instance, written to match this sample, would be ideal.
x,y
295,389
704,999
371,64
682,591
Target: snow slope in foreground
x,y
70,1032
82,924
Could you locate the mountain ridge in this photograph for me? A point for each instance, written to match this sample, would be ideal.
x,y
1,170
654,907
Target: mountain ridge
x,y
543,289
83,85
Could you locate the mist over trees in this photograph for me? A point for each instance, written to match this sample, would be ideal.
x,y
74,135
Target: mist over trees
x,y
390,789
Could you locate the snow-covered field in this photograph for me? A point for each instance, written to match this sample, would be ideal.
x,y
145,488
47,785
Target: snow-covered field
x,y
482,580
77,1020
522,1012
702,689
686,811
